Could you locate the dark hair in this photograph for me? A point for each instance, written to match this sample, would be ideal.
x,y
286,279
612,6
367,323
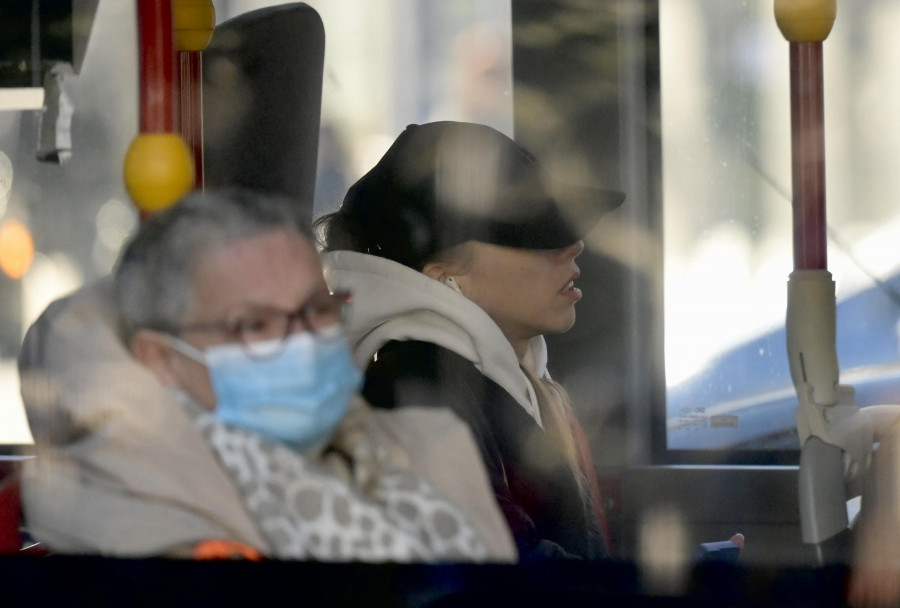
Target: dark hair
x,y
444,183
335,231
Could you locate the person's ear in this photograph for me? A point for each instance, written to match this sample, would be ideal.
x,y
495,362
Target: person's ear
x,y
150,348
436,271
443,274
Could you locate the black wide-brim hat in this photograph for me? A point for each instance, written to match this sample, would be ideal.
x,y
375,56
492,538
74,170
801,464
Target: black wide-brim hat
x,y
444,183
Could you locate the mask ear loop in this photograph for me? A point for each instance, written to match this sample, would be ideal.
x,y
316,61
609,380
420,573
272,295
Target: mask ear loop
x,y
452,284
188,350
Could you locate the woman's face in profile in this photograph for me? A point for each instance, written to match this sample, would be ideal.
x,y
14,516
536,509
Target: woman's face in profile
x,y
527,292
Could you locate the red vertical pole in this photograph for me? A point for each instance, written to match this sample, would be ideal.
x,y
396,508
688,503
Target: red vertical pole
x,y
191,96
157,66
195,21
158,168
808,153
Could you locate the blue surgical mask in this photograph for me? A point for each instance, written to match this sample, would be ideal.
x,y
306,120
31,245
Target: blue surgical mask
x,y
296,397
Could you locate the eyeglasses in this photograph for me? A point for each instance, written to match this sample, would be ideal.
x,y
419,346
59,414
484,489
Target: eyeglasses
x,y
263,330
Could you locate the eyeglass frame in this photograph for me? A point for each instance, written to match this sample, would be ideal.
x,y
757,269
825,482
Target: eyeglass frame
x,y
234,331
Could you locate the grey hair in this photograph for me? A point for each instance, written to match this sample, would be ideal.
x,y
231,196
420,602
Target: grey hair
x,y
153,280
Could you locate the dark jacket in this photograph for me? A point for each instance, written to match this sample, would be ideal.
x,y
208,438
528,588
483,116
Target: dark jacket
x,y
534,486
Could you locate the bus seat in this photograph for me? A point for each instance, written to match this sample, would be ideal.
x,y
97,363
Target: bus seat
x,y
262,98
10,513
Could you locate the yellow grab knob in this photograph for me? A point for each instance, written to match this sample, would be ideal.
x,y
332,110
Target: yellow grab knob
x,y
158,170
805,20
193,22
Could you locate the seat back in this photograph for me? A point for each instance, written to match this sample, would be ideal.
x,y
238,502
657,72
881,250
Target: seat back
x,y
262,97
10,511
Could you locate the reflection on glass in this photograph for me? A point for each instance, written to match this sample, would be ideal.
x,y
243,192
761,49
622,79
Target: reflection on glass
x,y
391,63
728,250
388,64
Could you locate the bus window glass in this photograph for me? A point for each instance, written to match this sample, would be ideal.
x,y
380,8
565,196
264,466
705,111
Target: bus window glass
x,y
73,206
388,63
727,216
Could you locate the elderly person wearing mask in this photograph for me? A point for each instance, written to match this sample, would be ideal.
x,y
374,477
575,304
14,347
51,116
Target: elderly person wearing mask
x,y
220,414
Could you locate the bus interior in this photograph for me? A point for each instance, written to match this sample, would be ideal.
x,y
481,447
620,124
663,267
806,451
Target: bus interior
x,y
677,365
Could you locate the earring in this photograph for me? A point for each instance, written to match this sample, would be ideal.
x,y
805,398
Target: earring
x,y
452,284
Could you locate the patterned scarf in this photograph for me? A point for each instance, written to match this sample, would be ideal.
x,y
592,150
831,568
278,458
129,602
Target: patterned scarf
x,y
348,504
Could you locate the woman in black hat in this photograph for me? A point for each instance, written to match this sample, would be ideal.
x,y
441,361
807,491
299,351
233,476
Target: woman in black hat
x,y
461,254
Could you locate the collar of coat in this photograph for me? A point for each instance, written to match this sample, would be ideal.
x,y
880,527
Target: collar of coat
x,y
394,302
